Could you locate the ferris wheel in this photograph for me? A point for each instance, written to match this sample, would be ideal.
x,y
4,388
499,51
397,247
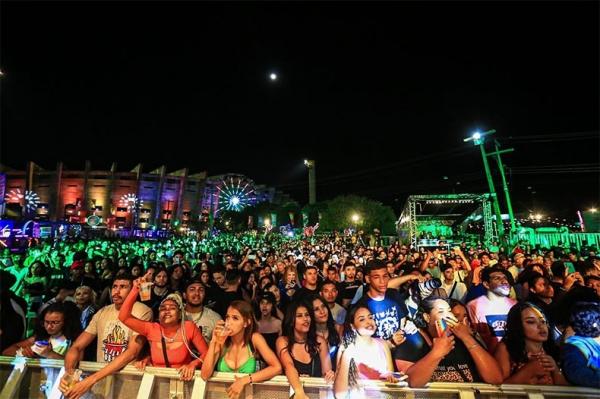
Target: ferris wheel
x,y
235,193
130,201
29,200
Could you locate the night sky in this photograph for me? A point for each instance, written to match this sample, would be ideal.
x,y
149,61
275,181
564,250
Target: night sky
x,y
381,95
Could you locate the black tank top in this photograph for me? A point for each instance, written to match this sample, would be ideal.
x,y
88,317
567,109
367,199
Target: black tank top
x,y
312,369
271,338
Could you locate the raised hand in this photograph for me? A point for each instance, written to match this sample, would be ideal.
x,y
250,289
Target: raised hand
x,y
443,345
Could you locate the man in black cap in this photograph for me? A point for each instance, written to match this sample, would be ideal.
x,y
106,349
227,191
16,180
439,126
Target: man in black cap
x,y
203,317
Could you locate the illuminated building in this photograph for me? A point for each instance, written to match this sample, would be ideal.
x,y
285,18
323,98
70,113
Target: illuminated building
x,y
122,198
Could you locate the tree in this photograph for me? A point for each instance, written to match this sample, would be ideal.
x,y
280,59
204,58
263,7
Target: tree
x,y
337,213
238,220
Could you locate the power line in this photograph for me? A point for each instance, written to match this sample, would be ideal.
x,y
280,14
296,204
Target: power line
x,y
556,137
366,173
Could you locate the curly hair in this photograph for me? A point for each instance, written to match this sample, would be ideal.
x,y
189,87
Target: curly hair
x,y
585,319
71,327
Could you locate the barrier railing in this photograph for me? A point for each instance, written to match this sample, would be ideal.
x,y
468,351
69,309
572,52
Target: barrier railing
x,y
37,379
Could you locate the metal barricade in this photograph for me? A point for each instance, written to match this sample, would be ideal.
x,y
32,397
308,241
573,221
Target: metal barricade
x,y
38,379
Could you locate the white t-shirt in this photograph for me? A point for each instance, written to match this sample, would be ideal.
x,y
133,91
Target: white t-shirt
x,y
489,318
206,321
113,335
459,291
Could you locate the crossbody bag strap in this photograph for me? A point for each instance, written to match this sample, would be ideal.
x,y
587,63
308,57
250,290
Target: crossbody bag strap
x,y
164,351
452,290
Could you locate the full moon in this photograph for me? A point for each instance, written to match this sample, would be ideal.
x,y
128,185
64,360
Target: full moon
x,y
273,76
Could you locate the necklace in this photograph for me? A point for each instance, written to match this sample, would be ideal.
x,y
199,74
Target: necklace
x,y
196,320
169,340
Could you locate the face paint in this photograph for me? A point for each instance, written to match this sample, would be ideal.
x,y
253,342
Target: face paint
x,y
502,290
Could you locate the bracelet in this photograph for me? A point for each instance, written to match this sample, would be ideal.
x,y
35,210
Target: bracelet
x,y
472,346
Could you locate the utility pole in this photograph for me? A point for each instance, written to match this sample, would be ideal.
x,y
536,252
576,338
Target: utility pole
x,y
312,181
478,139
511,215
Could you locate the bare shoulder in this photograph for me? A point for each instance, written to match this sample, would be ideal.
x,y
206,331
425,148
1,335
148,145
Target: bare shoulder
x,y
257,338
281,340
322,342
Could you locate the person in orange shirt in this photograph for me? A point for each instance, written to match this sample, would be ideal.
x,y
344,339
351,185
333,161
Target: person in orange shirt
x,y
169,338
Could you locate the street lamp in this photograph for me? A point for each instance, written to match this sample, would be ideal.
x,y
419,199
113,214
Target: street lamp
x,y
312,185
478,138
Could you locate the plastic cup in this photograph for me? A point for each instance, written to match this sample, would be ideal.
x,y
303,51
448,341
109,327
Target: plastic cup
x,y
72,379
145,291
39,346
224,333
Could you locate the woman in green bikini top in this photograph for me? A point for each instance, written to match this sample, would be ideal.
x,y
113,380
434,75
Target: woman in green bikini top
x,y
248,367
233,347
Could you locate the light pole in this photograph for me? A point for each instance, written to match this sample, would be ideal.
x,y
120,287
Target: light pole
x,y
511,216
479,139
355,218
312,183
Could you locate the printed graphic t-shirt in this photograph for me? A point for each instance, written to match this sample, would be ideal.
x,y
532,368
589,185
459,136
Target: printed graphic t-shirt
x,y
113,336
489,318
456,366
387,312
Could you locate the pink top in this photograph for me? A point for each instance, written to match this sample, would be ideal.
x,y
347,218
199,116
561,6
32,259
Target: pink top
x,y
177,352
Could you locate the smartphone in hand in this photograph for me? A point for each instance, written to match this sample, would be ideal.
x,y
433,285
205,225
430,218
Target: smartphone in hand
x,y
441,327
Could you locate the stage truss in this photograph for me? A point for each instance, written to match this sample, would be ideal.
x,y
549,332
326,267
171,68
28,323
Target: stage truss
x,y
409,223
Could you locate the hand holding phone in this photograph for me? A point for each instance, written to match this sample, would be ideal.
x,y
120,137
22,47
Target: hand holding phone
x,y
441,327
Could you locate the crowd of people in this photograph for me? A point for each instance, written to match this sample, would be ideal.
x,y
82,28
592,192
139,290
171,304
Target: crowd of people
x,y
266,304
